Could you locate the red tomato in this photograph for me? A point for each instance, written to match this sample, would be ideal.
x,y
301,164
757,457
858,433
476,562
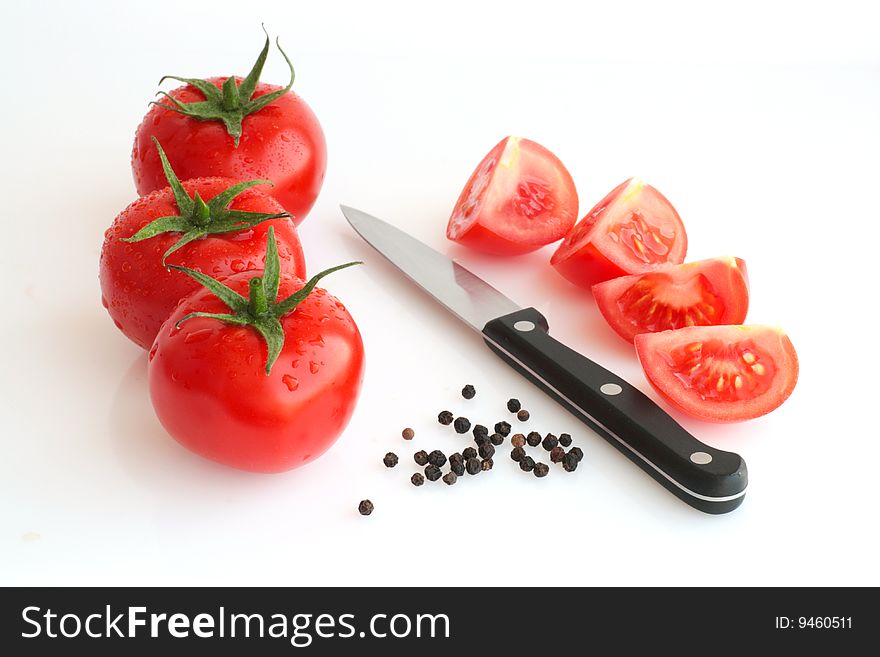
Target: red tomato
x,y
139,293
211,392
633,230
720,373
703,293
517,200
283,142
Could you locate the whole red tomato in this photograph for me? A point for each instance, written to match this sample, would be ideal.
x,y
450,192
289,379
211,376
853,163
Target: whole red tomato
x,y
137,289
211,390
281,141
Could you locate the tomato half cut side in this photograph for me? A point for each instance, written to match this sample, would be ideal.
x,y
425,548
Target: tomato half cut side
x,y
633,230
518,199
703,293
720,373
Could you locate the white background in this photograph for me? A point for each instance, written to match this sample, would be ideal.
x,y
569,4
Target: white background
x,y
759,120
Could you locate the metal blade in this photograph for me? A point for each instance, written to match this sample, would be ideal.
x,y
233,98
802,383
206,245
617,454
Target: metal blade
x,y
467,295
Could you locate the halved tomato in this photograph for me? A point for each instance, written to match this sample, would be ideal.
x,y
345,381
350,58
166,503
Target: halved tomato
x,y
518,199
720,373
702,293
633,230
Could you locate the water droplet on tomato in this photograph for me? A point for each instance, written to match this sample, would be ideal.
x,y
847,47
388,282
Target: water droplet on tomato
x,y
153,351
197,336
238,266
291,383
317,340
314,367
126,266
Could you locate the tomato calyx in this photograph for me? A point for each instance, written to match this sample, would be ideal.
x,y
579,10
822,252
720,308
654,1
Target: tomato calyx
x,y
261,309
234,101
199,218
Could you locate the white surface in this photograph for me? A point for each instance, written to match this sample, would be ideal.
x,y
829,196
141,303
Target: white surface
x,y
761,125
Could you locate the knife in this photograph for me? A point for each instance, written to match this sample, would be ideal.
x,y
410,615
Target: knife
x,y
709,479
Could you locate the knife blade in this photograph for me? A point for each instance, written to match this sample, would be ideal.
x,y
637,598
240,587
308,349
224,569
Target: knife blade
x,y
711,480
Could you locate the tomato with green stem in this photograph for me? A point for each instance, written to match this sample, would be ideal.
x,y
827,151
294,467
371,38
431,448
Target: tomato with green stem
x,y
259,372
215,225
238,128
720,373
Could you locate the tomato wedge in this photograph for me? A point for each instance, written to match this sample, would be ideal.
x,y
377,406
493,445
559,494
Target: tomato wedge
x,y
720,373
702,293
518,199
633,230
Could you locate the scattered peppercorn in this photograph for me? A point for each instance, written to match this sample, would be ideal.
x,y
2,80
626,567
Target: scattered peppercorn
x,y
533,439
513,405
556,454
462,424
480,430
450,478
578,453
518,440
365,508
456,457
408,434
541,469
565,439
550,441
468,453
496,439
527,464
486,450
487,464
523,415
390,460
417,479
473,466
503,428
468,392
432,473
481,439
570,462
517,454
457,467
437,458
421,457
445,417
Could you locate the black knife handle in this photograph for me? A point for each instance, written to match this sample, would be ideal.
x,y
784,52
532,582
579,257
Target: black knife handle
x,y
708,479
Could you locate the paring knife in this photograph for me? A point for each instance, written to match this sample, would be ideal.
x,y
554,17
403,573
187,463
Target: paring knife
x,y
708,479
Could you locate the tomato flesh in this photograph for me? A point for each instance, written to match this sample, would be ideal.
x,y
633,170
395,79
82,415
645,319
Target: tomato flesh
x,y
633,230
702,293
519,198
210,391
720,373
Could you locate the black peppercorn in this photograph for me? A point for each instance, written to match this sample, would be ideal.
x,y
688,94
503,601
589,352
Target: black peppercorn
x,y
481,439
408,434
473,466
518,440
503,428
445,417
390,460
437,458
556,454
421,457
457,467
486,450
456,457
570,462
513,405
541,469
432,473
523,415
468,392
480,430
578,453
550,441
496,439
417,479
365,508
565,439
533,439
526,464
517,453
450,478
462,424
487,464
468,453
